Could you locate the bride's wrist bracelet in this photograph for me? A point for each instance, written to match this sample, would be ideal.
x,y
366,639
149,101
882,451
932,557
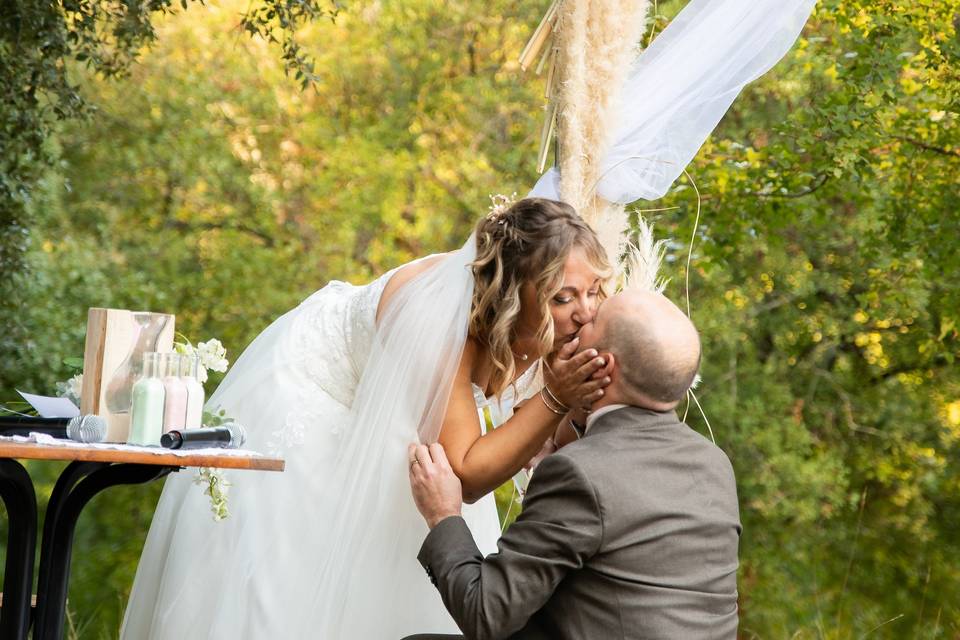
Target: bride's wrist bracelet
x,y
549,405
555,399
552,403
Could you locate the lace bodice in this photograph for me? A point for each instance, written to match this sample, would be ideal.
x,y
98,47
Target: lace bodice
x,y
333,331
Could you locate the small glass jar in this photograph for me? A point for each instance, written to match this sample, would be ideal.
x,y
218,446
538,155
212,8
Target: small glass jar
x,y
147,404
190,374
175,393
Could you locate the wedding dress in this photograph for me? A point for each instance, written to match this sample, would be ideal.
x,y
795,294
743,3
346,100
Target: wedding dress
x,y
255,574
327,549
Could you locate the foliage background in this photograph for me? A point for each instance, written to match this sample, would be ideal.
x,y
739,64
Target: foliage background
x,y
824,272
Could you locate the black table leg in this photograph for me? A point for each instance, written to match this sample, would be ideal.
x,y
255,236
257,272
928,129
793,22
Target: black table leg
x,y
66,503
74,472
16,490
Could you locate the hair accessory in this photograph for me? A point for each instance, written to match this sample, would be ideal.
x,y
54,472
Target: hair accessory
x,y
499,205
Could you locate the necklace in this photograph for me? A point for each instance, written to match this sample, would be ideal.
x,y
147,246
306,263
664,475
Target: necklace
x,y
523,357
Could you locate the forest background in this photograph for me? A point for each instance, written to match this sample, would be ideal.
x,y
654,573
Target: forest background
x,y
208,182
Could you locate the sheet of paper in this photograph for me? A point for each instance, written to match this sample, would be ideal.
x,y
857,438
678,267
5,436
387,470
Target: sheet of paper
x,y
49,407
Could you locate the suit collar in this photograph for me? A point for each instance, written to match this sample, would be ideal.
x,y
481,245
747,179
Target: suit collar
x,y
633,418
596,415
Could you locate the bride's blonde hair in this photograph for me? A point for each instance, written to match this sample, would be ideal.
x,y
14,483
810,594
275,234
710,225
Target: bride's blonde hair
x,y
527,242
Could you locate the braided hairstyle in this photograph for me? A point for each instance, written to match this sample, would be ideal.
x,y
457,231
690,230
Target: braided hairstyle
x,y
528,242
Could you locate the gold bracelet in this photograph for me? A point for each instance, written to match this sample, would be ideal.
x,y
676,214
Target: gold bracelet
x,y
549,406
556,399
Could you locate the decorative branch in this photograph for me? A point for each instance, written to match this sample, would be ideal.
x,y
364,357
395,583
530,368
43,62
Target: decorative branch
x,y
268,240
818,182
952,153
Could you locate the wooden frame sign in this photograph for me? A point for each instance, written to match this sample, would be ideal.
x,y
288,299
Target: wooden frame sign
x,y
113,361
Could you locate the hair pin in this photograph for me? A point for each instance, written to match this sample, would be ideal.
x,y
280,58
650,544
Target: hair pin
x,y
500,205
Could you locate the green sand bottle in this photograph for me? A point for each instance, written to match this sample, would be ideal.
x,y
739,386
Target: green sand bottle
x,y
146,412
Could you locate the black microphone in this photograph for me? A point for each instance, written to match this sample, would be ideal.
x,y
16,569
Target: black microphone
x,y
88,428
229,436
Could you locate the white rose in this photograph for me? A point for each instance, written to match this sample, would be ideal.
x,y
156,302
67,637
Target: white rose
x,y
75,385
213,355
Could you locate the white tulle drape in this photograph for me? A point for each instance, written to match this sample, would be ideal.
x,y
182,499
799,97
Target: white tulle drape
x,y
402,397
680,87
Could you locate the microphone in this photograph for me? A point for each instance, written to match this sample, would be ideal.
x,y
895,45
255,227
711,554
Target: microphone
x,y
229,436
88,428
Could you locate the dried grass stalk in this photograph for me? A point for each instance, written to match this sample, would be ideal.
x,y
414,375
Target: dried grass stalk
x,y
596,42
642,260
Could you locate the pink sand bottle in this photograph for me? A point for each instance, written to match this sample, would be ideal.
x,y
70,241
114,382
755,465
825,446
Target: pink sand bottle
x,y
189,373
175,394
147,400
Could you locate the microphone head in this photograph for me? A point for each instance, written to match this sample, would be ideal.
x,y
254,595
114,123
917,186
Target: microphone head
x,y
237,434
88,428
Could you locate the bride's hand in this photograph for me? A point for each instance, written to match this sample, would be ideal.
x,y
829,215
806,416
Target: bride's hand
x,y
572,378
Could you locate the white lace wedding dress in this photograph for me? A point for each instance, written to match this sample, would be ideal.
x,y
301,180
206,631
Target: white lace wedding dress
x,y
256,574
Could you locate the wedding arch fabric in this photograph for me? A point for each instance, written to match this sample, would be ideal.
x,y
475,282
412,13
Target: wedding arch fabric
x,y
680,87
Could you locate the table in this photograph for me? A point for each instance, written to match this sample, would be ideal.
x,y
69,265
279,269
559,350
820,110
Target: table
x,y
91,470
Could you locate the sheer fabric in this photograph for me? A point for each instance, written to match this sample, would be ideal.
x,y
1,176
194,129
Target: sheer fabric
x,y
680,87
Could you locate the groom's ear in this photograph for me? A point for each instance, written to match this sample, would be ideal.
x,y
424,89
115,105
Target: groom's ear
x,y
607,369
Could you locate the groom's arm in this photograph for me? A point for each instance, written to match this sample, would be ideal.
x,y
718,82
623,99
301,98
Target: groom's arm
x,y
559,529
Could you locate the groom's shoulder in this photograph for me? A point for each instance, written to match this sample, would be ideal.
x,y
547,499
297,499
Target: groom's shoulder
x,y
593,456
632,449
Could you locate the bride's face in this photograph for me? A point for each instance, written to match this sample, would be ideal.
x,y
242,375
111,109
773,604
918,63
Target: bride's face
x,y
572,307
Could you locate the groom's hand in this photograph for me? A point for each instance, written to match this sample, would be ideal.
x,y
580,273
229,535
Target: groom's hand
x,y
436,488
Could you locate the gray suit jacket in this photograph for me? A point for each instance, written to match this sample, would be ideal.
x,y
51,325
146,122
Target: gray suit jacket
x,y
630,532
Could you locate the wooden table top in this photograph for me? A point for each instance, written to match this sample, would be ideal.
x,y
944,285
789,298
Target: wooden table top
x,y
34,451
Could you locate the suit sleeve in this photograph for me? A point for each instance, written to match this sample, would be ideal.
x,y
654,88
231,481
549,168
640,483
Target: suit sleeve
x,y
559,529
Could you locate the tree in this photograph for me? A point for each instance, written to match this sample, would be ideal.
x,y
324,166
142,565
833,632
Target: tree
x,y
825,284
41,44
822,275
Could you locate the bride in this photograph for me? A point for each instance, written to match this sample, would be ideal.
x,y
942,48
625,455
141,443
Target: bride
x,y
339,386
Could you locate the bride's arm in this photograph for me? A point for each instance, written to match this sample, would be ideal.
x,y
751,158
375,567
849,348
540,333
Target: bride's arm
x,y
484,462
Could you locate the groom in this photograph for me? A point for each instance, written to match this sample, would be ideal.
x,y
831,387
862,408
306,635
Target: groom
x,y
632,531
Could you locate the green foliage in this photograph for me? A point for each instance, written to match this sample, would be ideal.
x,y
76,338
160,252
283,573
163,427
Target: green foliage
x,y
42,44
37,41
824,273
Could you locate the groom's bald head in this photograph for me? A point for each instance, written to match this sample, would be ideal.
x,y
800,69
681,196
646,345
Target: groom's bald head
x,y
655,347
